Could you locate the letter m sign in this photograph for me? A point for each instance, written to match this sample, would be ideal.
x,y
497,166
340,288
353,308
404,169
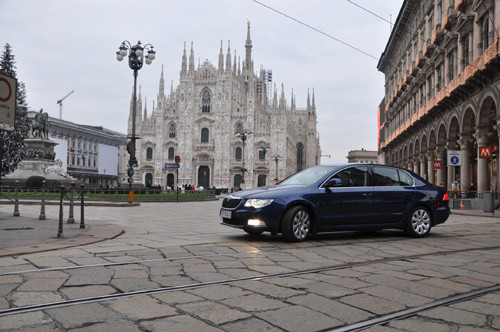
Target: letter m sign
x,y
484,152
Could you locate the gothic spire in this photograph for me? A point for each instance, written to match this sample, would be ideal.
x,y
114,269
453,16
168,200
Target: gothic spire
x,y
184,62
162,83
308,101
221,60
228,57
191,61
248,48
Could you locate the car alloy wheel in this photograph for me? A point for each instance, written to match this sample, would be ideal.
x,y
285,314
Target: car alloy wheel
x,y
419,223
296,224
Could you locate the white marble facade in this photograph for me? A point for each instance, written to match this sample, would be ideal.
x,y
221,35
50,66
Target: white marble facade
x,y
199,118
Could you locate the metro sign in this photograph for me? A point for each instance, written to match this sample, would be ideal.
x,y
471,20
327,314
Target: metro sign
x,y
484,152
437,164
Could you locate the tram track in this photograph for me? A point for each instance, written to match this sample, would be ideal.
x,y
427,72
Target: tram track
x,y
353,327
322,245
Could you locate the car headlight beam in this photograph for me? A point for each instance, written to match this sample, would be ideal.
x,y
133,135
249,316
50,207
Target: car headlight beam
x,y
258,203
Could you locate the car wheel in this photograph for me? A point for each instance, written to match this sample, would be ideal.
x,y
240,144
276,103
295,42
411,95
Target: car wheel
x,y
253,232
419,223
296,224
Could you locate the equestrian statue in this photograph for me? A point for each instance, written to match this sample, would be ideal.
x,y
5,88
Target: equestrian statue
x,y
40,125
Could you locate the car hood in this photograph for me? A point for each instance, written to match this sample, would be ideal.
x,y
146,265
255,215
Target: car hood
x,y
270,191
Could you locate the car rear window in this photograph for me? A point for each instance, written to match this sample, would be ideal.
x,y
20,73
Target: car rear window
x,y
388,176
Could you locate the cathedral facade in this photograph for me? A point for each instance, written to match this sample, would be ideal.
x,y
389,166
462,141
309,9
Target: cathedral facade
x,y
227,128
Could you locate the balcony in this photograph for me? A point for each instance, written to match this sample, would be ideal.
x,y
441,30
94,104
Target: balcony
x,y
414,68
450,18
428,48
421,59
461,5
437,34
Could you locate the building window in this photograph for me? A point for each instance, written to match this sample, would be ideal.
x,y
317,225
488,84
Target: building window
x,y
262,154
238,128
466,56
171,130
171,153
205,101
237,154
300,157
452,66
149,153
204,135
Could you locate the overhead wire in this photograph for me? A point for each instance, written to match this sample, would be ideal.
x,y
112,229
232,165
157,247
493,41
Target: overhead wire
x,y
315,29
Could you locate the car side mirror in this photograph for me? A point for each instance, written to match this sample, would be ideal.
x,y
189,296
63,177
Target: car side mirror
x,y
333,182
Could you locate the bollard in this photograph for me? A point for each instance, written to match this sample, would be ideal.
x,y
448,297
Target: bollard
x,y
71,220
16,200
42,207
82,219
60,233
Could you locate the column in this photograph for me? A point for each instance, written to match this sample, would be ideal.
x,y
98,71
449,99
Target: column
x,y
409,164
482,163
441,174
465,168
423,165
430,167
416,166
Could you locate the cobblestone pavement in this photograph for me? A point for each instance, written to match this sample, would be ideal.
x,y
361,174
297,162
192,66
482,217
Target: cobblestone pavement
x,y
176,269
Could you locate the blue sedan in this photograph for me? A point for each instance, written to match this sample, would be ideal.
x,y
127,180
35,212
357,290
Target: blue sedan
x,y
339,198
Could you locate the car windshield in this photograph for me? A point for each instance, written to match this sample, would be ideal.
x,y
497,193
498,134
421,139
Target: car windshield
x,y
308,176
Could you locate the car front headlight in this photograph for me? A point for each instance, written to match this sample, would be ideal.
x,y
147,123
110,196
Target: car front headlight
x,y
258,203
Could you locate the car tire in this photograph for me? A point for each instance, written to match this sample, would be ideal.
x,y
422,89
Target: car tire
x,y
296,224
253,232
419,222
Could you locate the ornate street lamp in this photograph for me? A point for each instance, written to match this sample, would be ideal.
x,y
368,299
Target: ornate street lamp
x,y
264,150
276,159
243,135
136,59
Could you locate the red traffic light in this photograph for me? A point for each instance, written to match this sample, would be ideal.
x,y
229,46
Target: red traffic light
x,y
177,159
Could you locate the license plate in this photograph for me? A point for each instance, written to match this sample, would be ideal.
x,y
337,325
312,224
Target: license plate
x,y
225,214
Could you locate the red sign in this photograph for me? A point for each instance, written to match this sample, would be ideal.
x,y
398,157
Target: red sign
x,y
437,164
484,152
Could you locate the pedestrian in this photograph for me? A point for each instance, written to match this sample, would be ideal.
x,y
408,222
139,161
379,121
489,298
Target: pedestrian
x,y
472,190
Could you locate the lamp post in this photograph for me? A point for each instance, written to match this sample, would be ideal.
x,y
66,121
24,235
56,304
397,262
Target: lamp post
x,y
264,150
136,59
276,159
243,135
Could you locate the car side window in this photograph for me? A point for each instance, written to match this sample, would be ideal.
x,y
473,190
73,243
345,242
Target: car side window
x,y
405,178
353,176
386,176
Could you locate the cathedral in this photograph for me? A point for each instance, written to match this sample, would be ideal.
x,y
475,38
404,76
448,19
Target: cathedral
x,y
227,125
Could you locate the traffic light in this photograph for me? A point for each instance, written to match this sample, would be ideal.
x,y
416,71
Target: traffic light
x,y
177,159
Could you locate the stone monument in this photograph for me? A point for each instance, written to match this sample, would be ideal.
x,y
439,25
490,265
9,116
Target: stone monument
x,y
40,155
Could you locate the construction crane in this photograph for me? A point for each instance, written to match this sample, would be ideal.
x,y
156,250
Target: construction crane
x,y
60,103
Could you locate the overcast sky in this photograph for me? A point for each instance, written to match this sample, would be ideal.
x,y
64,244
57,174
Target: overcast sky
x,y
61,45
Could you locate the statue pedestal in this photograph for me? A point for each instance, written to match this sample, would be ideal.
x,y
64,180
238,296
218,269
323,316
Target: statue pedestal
x,y
39,161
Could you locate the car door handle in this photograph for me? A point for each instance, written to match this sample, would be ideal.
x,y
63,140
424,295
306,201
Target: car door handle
x,y
367,195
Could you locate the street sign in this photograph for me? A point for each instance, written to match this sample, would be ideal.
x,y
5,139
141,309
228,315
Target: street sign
x,y
437,164
8,87
455,157
171,165
484,152
131,147
130,172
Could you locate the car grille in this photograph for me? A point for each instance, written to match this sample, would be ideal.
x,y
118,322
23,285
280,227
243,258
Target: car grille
x,y
230,202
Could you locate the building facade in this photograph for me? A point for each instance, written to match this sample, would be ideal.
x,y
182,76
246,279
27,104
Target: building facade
x,y
362,156
442,91
89,153
200,119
